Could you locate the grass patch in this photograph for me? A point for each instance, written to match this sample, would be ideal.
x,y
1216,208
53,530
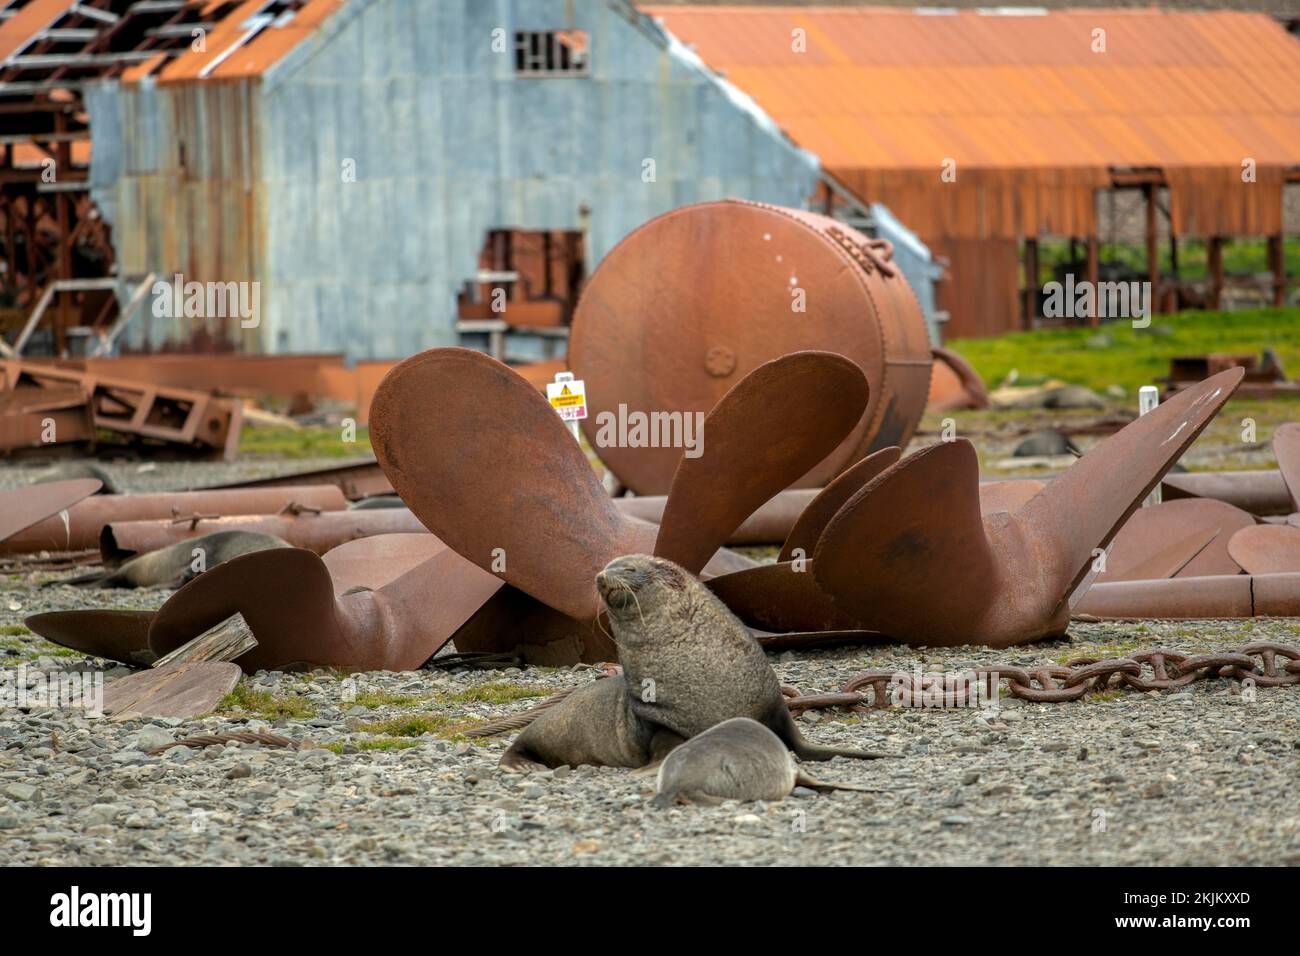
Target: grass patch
x,y
1133,357
244,700
375,699
310,441
386,743
500,693
413,725
14,630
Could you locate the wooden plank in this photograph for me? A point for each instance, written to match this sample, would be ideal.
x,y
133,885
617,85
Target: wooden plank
x,y
177,690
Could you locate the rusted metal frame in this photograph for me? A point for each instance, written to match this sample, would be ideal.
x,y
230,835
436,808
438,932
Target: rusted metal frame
x,y
1277,266
1153,245
1214,261
127,406
1030,291
1094,271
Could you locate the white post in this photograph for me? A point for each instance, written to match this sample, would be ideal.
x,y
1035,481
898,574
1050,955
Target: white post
x,y
1148,399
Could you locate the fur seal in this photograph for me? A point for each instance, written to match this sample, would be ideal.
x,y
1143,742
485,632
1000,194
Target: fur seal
x,y
173,565
688,664
738,759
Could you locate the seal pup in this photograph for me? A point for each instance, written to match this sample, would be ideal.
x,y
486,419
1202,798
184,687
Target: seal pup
x,y
688,664
173,565
738,759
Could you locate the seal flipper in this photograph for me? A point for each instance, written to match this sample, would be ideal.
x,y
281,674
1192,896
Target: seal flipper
x,y
812,783
783,725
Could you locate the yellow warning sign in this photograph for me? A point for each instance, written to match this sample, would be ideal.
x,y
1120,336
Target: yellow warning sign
x,y
568,398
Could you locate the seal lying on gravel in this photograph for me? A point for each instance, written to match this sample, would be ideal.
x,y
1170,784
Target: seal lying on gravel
x,y
739,759
173,565
688,664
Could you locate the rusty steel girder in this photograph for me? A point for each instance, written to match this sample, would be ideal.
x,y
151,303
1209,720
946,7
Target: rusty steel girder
x,y
184,418
689,303
85,520
912,556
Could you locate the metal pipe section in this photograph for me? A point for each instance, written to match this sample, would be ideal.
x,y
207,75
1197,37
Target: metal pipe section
x,y
78,528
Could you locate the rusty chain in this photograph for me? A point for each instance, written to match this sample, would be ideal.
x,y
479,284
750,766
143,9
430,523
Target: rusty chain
x,y
1056,683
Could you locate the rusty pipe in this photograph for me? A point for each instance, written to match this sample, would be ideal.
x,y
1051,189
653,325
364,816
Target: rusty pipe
x,y
313,532
80,528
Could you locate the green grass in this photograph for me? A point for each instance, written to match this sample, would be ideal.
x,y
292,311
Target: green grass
x,y
13,630
311,441
1133,357
375,699
421,725
499,693
387,743
244,700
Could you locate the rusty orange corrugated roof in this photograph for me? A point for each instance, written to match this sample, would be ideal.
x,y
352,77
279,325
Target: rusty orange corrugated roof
x,y
17,31
229,51
882,88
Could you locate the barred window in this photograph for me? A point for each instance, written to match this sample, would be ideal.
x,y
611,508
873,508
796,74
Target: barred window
x,y
551,52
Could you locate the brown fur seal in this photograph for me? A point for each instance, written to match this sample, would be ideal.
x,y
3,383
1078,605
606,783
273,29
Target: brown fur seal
x,y
688,664
738,759
173,565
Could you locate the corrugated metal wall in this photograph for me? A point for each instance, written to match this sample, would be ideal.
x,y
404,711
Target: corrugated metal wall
x,y
446,143
175,173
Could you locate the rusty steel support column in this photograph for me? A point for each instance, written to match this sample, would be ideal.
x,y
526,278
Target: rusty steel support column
x,y
1214,263
1277,265
1094,269
1153,246
1031,281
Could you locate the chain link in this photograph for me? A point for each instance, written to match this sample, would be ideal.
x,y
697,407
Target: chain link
x,y
1265,663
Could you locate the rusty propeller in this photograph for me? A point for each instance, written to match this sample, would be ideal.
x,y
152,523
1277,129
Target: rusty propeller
x,y
499,479
912,556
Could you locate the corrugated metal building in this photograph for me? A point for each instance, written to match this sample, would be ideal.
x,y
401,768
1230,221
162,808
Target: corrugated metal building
x,y
353,158
984,129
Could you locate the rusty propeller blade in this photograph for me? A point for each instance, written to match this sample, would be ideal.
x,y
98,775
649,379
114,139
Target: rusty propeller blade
x,y
116,635
781,597
1266,548
287,598
23,507
497,476
1186,538
770,428
812,521
1286,449
910,554
377,560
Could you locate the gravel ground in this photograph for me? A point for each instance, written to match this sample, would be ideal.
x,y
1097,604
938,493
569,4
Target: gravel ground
x,y
1203,776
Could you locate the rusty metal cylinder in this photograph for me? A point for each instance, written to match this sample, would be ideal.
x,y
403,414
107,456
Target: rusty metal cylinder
x,y
688,304
78,528
315,532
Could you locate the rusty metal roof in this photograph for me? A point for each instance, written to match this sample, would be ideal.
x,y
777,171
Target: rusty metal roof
x,y
884,89
244,43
